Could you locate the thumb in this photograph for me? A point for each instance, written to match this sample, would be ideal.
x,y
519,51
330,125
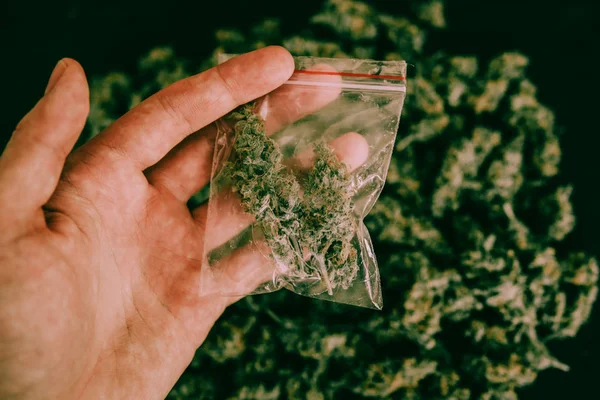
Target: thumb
x,y
35,155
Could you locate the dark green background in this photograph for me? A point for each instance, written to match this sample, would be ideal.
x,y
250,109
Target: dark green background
x,y
559,37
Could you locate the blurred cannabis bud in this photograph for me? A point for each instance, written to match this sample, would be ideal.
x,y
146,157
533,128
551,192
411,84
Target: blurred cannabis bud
x,y
467,231
310,234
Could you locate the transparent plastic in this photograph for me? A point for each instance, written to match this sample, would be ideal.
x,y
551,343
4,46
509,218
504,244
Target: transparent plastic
x,y
294,175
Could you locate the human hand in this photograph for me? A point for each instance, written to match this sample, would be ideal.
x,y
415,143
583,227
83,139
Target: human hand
x,y
100,258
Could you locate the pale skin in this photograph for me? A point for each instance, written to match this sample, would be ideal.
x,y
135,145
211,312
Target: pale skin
x,y
100,258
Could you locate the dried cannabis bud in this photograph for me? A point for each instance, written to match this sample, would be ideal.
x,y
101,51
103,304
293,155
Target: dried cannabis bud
x,y
468,232
329,226
306,221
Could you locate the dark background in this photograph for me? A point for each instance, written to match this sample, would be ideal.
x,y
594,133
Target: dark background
x,y
559,37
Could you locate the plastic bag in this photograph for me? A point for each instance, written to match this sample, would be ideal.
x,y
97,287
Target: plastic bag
x,y
295,173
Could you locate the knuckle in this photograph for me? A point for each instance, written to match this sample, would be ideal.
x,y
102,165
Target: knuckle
x,y
228,83
167,103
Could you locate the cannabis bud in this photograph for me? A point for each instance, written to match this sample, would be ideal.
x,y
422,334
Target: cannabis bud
x,y
306,220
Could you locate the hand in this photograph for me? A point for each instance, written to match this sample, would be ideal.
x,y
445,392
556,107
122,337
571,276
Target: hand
x,y
100,259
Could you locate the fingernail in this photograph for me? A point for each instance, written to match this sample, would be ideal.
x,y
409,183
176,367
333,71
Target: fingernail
x,y
60,68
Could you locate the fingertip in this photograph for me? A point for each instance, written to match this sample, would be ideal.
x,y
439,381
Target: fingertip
x,y
277,63
281,61
72,63
72,87
286,58
257,73
352,149
76,73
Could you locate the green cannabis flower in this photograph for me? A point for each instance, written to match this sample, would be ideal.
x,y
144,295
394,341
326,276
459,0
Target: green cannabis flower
x,y
329,226
318,223
468,234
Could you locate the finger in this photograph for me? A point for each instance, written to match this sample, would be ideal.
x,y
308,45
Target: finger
x,y
186,169
290,103
227,217
151,129
243,271
35,155
351,148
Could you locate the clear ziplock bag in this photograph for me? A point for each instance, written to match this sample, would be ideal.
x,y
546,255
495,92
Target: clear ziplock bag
x,y
295,173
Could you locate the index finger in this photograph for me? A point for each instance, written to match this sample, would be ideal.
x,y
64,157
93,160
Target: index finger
x,y
187,168
150,130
